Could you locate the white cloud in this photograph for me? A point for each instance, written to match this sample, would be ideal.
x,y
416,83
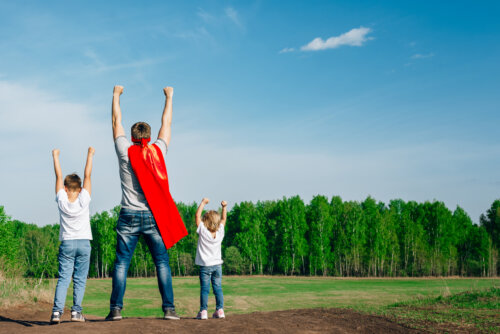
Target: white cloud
x,y
286,50
232,14
422,56
200,34
354,37
205,16
98,65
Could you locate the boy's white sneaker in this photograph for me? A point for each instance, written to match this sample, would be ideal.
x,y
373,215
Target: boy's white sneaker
x,y
218,314
55,318
77,316
202,315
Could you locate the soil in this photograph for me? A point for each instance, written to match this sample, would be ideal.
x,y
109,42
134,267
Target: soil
x,y
36,320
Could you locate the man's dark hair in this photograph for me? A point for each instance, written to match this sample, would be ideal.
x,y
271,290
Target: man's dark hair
x,y
141,130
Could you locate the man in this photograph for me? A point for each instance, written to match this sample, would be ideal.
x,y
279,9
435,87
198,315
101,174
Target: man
x,y
143,200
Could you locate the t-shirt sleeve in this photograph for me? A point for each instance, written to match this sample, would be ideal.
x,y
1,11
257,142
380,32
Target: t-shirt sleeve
x,y
62,198
198,230
84,198
221,231
61,195
121,146
162,146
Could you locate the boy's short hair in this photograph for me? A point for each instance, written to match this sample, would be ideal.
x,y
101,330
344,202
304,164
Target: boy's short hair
x,y
211,219
141,130
73,182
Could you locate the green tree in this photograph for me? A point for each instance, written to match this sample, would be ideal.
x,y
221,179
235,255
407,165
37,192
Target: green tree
x,y
320,223
375,243
291,222
491,223
8,249
233,262
103,242
250,237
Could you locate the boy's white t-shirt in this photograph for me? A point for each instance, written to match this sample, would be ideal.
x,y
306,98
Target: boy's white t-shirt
x,y
74,217
208,252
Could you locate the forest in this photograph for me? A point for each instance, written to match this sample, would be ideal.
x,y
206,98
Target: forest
x,y
327,237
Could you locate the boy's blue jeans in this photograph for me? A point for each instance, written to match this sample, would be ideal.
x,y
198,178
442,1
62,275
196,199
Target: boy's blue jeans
x,y
74,260
131,224
211,274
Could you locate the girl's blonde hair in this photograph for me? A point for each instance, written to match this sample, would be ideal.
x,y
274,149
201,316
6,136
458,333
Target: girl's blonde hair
x,y
211,219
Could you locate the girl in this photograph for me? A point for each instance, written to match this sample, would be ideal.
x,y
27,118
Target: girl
x,y
208,256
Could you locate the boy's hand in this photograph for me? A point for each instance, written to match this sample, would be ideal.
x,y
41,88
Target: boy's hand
x,y
91,150
118,90
55,152
205,200
223,203
169,91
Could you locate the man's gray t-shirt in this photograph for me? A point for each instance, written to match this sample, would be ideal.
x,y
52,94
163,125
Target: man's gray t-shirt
x,y
132,195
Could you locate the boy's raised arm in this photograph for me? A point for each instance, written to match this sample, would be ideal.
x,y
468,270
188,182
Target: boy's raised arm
x,y
224,212
116,113
166,119
57,170
87,184
204,202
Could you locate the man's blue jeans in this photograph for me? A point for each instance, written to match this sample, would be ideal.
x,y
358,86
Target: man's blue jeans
x,y
131,225
74,260
211,274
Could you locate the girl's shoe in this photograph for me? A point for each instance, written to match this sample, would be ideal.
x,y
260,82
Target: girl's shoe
x,y
218,314
202,315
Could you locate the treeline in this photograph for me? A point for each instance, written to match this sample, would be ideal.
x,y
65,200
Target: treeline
x,y
287,237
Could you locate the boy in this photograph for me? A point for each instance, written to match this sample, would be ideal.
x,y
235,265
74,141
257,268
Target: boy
x,y
75,235
208,257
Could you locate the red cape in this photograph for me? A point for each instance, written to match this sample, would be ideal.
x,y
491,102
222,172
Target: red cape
x,y
149,168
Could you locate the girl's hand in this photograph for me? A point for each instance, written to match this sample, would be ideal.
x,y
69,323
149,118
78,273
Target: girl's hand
x,y
223,203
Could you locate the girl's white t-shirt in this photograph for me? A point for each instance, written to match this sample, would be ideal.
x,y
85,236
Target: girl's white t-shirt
x,y
208,252
74,216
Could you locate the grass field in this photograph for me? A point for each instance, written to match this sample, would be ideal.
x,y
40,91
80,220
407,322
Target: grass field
x,y
247,294
477,310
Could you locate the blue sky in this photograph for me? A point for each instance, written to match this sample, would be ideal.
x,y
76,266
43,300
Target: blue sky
x,y
353,98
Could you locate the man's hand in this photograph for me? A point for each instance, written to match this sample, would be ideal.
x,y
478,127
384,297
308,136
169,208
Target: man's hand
x,y
55,152
118,90
91,151
205,200
223,203
169,91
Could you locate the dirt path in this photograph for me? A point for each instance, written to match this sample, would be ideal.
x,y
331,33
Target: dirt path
x,y
24,320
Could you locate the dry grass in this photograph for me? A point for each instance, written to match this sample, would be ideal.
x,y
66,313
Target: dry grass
x,y
16,290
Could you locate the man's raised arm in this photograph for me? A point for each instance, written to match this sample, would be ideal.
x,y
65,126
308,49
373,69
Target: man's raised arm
x,y
116,113
166,119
